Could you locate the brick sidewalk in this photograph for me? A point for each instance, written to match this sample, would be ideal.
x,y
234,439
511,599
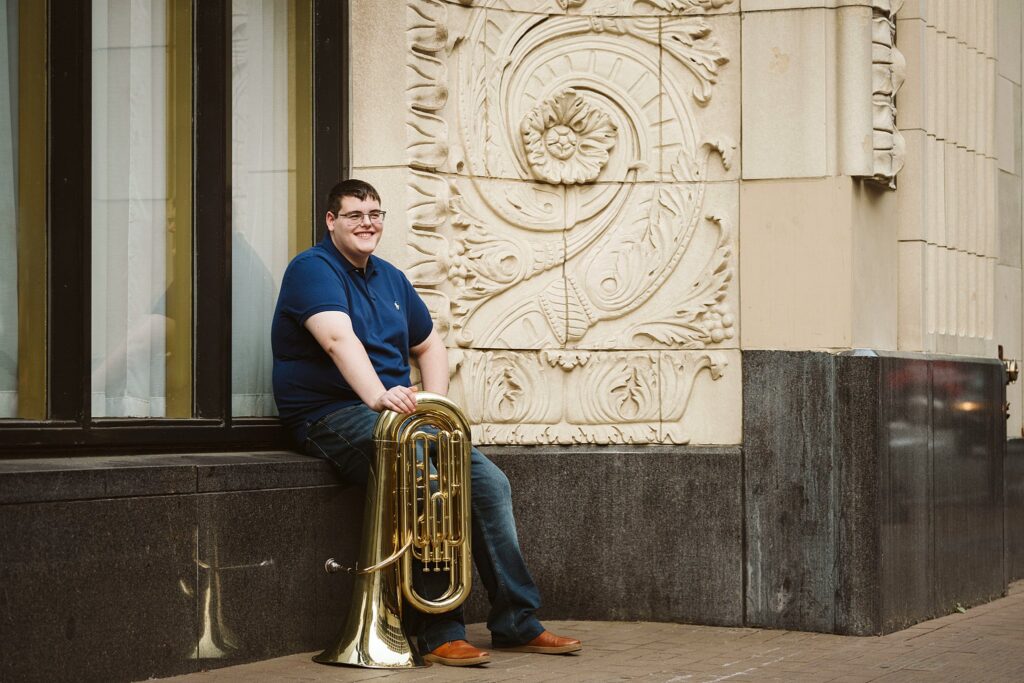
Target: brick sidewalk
x,y
984,644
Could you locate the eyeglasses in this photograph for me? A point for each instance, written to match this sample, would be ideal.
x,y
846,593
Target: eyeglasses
x,y
356,217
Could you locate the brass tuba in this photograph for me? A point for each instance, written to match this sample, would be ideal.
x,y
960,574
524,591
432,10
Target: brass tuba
x,y
411,512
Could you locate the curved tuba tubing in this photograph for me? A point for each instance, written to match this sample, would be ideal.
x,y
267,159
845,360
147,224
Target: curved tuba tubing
x,y
411,512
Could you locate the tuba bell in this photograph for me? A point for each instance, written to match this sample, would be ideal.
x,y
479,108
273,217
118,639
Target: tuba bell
x,y
412,512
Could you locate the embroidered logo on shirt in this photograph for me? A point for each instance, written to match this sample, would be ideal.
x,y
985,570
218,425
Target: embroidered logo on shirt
x,y
397,307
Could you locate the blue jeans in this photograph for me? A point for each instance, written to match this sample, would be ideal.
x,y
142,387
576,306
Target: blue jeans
x,y
345,437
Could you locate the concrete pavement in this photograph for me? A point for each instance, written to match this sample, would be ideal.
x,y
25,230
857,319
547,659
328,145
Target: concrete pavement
x,y
985,643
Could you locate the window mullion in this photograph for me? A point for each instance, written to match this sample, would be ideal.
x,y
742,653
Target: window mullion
x,y
69,227
212,208
330,102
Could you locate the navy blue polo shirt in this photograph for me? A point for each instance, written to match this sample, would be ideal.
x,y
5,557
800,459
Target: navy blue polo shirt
x,y
388,317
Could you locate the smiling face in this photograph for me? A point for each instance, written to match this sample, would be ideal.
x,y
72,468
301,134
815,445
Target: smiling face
x,y
356,240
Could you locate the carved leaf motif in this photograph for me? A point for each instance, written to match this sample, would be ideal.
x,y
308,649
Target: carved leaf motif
x,y
427,195
440,309
634,260
691,43
567,360
679,380
509,387
426,87
614,388
629,395
702,317
428,258
427,30
484,262
427,135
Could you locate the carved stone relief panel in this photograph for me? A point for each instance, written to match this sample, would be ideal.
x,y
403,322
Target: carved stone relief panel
x,y
568,192
574,397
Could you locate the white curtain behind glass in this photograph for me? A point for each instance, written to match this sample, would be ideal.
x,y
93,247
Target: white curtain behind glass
x,y
129,199
8,209
260,194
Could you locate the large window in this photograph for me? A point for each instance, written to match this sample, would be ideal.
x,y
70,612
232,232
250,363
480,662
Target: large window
x,y
156,175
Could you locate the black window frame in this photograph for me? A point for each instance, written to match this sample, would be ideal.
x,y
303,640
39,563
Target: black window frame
x,y
68,211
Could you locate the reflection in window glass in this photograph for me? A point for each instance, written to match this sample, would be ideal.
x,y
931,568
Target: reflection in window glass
x,y
134,207
270,179
8,210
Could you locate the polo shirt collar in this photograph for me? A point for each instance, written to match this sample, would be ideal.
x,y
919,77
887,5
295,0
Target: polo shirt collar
x,y
328,246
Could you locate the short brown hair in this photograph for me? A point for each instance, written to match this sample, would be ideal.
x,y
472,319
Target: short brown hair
x,y
360,189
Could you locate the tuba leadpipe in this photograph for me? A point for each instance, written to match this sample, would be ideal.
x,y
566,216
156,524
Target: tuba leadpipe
x,y
412,512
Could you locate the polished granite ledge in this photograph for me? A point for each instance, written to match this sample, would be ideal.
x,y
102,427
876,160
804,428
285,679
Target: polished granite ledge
x,y
128,476
38,480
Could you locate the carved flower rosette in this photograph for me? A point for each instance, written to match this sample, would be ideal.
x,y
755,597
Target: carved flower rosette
x,y
566,139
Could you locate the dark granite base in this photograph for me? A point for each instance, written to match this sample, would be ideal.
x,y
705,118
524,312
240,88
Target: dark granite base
x,y
871,493
629,533
167,564
93,590
161,565
874,489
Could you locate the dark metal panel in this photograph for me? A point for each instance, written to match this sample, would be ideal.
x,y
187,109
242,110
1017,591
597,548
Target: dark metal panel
x,y
331,102
212,207
69,208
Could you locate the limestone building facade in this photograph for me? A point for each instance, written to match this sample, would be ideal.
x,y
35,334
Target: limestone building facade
x,y
605,202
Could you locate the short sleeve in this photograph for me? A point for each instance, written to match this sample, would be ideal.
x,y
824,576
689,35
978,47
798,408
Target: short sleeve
x,y
420,324
310,286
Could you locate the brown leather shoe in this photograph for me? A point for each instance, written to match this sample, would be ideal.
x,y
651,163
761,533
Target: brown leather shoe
x,y
457,653
547,643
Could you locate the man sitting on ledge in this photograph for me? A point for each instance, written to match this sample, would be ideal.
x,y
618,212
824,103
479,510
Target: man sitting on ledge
x,y
346,325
